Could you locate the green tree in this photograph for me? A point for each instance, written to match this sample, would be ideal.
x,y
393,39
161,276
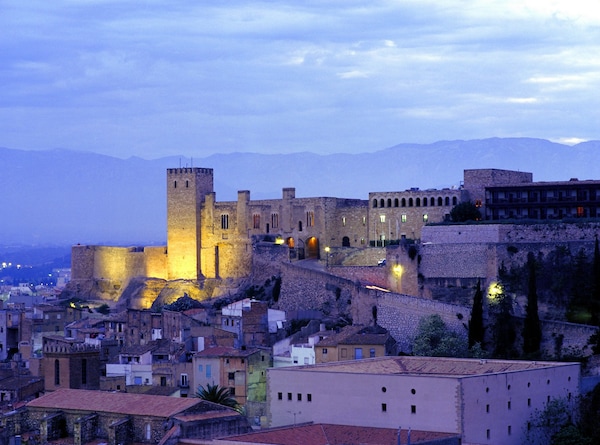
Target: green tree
x,y
434,339
476,328
219,395
465,211
504,326
532,330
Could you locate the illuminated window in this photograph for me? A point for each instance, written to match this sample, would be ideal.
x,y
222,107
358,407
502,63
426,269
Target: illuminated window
x,y
403,218
344,221
310,219
275,220
425,217
364,220
382,218
224,221
580,212
478,203
256,221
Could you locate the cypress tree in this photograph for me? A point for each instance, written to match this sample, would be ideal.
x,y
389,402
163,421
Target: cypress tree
x,y
476,328
532,331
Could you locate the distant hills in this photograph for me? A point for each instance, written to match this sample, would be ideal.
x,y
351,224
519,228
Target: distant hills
x,y
68,197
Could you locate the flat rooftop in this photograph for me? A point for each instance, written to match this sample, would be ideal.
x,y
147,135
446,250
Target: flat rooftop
x,y
438,366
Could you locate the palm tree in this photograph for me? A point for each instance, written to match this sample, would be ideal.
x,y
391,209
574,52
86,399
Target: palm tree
x,y
218,395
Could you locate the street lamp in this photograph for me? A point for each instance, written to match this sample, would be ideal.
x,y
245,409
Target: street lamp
x,y
327,249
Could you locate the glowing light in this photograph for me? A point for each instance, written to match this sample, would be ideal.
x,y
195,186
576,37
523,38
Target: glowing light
x,y
397,270
370,286
279,240
494,291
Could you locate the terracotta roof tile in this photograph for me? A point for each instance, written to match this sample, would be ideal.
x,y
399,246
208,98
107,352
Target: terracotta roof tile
x,y
327,434
440,366
114,402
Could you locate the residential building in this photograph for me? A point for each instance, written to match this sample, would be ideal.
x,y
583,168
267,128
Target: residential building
x,y
68,363
243,371
485,401
121,418
354,342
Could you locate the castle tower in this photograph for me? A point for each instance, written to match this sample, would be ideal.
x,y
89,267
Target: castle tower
x,y
186,190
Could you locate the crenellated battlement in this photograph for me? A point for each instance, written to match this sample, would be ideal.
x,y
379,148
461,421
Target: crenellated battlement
x,y
180,170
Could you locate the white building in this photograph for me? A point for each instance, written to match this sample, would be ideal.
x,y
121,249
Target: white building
x,y
486,401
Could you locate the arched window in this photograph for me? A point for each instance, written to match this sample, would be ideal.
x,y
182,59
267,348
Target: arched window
x,y
403,202
381,202
374,203
440,201
447,201
454,201
346,241
174,184
424,202
396,202
389,202
410,202
418,202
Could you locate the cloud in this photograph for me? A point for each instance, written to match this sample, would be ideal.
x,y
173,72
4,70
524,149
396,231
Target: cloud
x,y
188,78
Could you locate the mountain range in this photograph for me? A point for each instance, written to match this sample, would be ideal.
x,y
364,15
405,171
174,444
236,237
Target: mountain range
x,y
67,197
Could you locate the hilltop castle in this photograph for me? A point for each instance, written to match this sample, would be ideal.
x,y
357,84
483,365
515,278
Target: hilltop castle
x,y
210,240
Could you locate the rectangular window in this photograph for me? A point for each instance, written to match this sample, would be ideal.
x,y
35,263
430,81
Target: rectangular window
x,y
413,409
364,220
163,381
184,380
299,397
382,218
231,375
358,353
324,350
372,352
344,352
403,218
383,407
509,430
487,434
310,219
279,396
84,371
232,391
487,408
509,404
275,220
289,396
343,221
425,217
224,221
208,371
309,397
528,402
256,221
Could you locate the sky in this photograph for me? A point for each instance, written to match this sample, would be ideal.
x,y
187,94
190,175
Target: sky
x,y
189,78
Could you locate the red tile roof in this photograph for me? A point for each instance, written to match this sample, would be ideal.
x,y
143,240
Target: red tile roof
x,y
114,402
327,434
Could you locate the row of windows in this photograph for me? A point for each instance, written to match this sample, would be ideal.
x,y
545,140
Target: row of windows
x,y
416,202
298,397
413,408
255,221
404,218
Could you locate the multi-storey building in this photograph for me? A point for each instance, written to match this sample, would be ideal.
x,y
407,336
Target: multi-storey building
x,y
485,401
243,371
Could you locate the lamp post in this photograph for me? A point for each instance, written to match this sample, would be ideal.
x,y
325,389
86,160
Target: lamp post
x,y
327,249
